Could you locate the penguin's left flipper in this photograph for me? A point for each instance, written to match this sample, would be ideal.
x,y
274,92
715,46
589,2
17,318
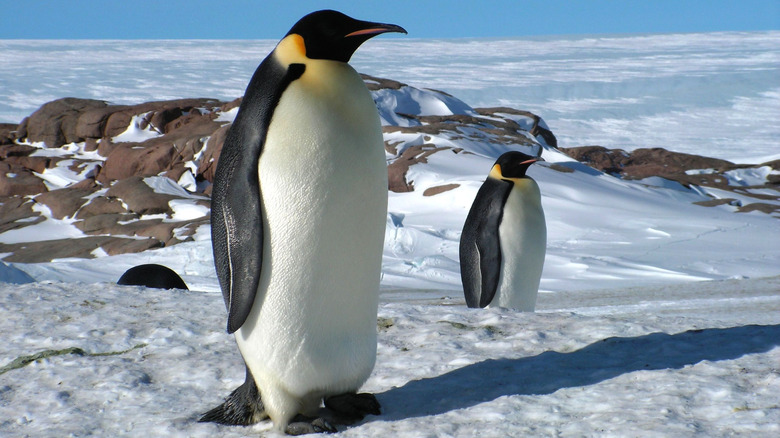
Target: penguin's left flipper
x,y
350,408
302,425
480,244
237,225
236,198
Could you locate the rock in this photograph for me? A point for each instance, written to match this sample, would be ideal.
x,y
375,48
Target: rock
x,y
396,171
8,133
642,163
184,139
132,159
124,246
55,122
432,191
64,202
374,83
46,251
16,180
20,155
139,197
101,205
537,130
210,157
102,223
15,150
16,212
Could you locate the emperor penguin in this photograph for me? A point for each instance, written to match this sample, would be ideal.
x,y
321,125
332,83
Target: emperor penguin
x,y
504,238
152,275
299,206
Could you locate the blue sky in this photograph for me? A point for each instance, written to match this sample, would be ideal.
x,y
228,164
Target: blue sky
x,y
245,19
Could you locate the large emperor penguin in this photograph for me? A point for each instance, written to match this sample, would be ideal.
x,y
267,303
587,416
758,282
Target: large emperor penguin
x,y
504,238
299,207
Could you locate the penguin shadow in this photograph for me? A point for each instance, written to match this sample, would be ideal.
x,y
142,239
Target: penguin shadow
x,y
551,370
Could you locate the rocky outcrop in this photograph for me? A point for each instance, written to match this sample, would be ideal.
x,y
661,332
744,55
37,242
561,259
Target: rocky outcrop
x,y
686,169
115,175
105,196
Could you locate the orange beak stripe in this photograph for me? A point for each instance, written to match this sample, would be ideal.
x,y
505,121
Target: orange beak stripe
x,y
371,31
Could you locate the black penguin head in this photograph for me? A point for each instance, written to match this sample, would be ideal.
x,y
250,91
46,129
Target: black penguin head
x,y
514,164
332,35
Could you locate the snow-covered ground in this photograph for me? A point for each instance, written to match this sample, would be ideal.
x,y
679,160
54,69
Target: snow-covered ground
x,y
656,317
700,359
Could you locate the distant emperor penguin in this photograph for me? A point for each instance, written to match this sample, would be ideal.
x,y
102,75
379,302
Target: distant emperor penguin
x,y
299,205
504,238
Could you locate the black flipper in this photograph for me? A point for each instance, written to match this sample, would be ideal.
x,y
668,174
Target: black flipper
x,y
242,407
480,246
236,209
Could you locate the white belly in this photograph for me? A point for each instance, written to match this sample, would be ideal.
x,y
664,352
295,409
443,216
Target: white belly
x,y
323,180
523,234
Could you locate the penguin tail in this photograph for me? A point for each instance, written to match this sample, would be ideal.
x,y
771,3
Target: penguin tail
x,y
241,408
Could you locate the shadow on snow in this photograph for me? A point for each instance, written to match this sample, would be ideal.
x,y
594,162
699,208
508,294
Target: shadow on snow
x,y
551,370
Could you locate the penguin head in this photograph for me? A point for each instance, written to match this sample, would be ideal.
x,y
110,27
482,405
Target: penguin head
x,y
334,36
513,164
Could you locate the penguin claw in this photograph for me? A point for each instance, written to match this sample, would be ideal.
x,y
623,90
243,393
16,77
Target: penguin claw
x,y
353,407
306,426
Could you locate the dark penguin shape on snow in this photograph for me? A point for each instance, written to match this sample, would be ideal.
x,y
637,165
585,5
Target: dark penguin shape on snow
x,y
152,275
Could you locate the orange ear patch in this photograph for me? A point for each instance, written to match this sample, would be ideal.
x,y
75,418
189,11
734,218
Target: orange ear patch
x,y
291,49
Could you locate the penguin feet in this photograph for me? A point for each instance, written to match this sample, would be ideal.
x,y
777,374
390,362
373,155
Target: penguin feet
x,y
350,408
302,425
241,408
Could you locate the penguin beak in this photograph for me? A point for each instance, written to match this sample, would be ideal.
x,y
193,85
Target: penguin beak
x,y
531,161
374,29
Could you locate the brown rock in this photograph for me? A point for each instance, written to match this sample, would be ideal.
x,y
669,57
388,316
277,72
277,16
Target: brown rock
x,y
210,157
432,191
101,205
16,180
104,223
125,246
396,171
55,122
158,155
536,129
373,83
48,250
642,163
133,159
16,212
35,164
139,197
8,133
15,150
64,202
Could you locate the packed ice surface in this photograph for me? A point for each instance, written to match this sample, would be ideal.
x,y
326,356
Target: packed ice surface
x,y
697,359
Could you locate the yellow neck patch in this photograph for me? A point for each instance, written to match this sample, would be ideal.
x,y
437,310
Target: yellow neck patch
x,y
291,50
495,172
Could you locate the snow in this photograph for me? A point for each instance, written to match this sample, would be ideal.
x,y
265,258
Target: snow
x,y
656,316
663,361
134,132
